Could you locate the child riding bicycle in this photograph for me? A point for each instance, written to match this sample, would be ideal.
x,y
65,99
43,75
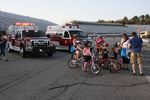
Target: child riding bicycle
x,y
77,48
87,56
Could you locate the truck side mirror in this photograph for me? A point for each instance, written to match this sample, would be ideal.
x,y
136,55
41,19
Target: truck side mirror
x,y
48,36
66,35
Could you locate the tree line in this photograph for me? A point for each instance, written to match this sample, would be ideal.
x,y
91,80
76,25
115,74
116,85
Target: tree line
x,y
139,20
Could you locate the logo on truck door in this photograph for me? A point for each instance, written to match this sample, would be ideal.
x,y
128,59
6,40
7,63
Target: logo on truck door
x,y
65,41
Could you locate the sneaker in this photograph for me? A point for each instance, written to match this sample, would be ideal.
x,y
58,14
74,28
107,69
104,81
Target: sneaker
x,y
6,60
74,61
84,70
134,74
141,74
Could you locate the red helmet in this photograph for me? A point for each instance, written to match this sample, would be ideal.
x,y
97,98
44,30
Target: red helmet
x,y
106,44
100,40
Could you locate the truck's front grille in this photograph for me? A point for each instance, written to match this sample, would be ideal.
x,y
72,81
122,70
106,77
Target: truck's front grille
x,y
40,43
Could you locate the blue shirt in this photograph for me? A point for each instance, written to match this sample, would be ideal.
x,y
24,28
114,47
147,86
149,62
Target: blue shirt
x,y
136,44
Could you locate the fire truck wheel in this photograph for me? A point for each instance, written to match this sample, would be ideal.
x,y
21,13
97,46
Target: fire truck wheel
x,y
50,54
22,52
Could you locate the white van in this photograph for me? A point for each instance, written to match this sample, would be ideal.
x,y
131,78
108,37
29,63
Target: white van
x,y
145,34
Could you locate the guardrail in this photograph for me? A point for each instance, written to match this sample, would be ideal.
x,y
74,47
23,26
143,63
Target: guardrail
x,y
106,35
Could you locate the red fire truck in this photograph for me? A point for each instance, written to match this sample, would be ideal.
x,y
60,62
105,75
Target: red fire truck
x,y
62,36
27,38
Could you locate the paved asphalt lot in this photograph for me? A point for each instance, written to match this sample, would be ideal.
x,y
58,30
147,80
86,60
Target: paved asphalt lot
x,y
44,78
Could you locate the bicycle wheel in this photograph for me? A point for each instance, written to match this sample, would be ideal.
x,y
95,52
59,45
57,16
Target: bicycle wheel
x,y
112,68
72,63
118,66
95,69
106,64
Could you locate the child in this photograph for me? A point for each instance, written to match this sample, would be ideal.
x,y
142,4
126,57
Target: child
x,y
103,53
99,41
113,55
87,56
119,54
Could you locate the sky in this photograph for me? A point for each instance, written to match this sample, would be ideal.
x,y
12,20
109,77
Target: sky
x,y
61,11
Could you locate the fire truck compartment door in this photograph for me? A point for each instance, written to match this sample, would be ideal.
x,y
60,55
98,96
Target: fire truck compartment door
x,y
66,39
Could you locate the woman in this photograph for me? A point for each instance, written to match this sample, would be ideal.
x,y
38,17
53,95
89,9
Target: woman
x,y
125,52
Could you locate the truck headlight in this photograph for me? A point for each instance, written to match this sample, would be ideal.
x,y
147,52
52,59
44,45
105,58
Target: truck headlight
x,y
50,43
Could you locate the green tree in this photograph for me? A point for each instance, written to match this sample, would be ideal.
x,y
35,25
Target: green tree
x,y
135,20
142,19
147,19
125,20
100,21
118,21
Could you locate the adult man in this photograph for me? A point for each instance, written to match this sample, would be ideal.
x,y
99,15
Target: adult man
x,y
3,42
135,44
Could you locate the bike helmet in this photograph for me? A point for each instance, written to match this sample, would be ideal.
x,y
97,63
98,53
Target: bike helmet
x,y
78,42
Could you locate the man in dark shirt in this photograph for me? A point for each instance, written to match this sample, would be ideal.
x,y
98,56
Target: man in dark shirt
x,y
3,42
135,44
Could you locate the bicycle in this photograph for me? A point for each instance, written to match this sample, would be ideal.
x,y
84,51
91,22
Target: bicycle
x,y
103,61
114,65
73,63
92,66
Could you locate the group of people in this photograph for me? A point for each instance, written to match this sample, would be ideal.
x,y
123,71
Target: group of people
x,y
80,49
3,42
129,50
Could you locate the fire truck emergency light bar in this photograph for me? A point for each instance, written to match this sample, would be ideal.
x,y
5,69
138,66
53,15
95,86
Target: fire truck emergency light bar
x,y
24,24
71,26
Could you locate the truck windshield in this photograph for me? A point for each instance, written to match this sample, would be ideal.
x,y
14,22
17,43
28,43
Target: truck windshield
x,y
79,33
32,33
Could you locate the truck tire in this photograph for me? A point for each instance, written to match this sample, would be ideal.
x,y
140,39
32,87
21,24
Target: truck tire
x,y
50,54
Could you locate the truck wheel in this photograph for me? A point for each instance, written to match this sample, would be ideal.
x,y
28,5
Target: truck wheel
x,y
50,54
22,52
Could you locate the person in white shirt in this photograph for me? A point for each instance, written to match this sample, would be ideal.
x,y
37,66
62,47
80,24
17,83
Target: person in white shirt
x,y
125,52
